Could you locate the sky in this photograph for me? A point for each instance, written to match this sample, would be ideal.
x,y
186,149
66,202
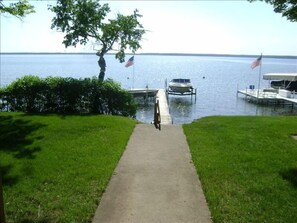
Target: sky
x,y
200,27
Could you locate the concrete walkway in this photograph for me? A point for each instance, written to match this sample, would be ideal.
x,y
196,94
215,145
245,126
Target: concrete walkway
x,y
155,181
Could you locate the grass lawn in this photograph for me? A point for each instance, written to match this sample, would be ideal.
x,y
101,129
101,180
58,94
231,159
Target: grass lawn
x,y
55,168
247,166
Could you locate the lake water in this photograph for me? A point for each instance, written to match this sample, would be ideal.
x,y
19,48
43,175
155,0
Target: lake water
x,y
216,79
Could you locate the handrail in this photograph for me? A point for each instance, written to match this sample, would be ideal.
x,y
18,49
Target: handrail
x,y
157,115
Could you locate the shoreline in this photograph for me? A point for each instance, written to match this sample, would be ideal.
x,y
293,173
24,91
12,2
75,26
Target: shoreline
x,y
154,54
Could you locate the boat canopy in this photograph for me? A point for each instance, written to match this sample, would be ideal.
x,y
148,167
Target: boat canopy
x,y
281,76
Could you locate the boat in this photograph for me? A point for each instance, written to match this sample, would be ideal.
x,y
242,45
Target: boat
x,y
180,85
283,87
284,81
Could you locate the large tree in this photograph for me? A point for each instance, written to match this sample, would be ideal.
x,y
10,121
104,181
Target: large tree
x,y
288,8
84,20
18,9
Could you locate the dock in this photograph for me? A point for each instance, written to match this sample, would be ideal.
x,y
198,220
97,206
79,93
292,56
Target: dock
x,y
144,93
162,110
270,95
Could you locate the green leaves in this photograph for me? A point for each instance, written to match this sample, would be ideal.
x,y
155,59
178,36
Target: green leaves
x,y
130,34
68,95
80,19
83,20
19,9
288,8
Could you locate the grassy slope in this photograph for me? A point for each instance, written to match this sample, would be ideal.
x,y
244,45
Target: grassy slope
x,y
56,167
247,166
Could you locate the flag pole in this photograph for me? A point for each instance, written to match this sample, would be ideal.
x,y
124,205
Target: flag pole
x,y
130,63
133,71
260,74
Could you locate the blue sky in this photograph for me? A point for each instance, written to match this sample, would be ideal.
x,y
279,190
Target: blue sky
x,y
219,27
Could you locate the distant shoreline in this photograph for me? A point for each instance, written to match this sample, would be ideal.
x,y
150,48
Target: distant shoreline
x,y
154,54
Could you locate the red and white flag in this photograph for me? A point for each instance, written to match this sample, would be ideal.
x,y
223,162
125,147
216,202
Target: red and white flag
x,y
257,62
130,62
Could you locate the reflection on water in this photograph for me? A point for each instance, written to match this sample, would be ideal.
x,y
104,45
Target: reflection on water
x,y
145,110
272,109
181,108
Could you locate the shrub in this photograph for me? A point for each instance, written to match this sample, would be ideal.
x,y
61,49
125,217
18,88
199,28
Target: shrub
x,y
117,99
68,95
25,94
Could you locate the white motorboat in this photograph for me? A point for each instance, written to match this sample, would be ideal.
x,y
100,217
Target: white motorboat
x,y
180,85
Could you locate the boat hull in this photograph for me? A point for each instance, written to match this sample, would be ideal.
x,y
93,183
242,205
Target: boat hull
x,y
180,88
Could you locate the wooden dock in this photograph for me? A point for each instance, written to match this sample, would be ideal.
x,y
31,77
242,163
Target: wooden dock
x,y
164,108
164,117
144,93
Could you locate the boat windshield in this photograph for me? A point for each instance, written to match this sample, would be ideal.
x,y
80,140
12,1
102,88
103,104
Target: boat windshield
x,y
181,80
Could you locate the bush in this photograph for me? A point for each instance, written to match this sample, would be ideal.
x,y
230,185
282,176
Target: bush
x,y
25,94
68,95
117,99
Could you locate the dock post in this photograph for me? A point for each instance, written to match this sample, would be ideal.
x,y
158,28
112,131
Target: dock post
x,y
193,92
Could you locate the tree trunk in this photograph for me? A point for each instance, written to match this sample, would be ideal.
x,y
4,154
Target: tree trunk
x,y
102,65
2,213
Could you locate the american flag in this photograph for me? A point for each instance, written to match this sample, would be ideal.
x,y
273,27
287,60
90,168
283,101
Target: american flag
x,y
257,62
130,62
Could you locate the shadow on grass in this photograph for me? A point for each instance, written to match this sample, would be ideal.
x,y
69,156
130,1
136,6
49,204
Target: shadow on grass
x,y
4,173
34,220
15,140
291,176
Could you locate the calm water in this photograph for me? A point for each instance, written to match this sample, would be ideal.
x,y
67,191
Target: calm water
x,y
216,79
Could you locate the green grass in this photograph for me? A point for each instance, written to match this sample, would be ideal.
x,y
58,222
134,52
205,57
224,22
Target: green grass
x,y
247,167
55,168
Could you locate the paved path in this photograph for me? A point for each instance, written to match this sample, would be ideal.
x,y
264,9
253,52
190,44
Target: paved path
x,y
155,181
